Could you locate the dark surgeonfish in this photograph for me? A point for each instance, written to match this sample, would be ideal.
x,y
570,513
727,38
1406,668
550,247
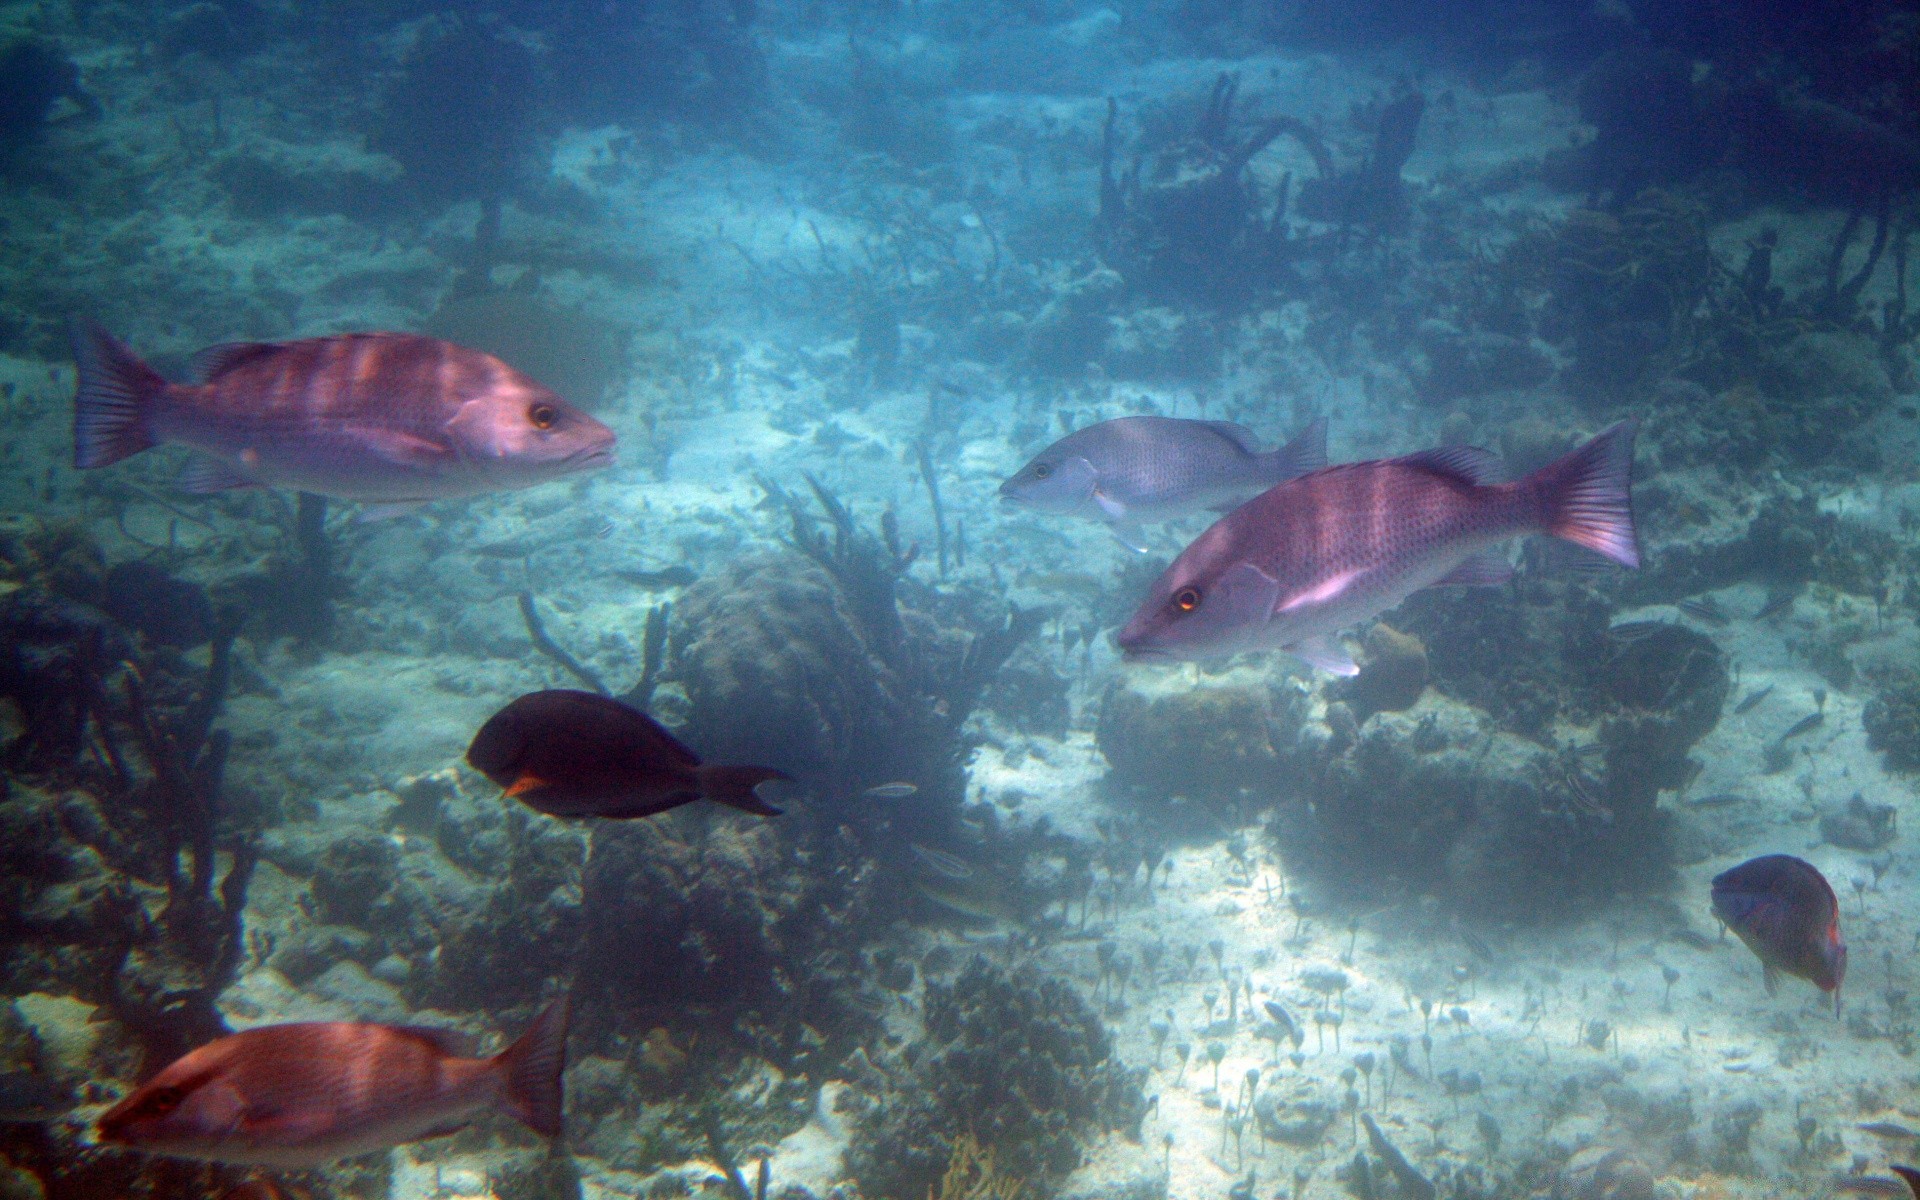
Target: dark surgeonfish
x,y
580,754
303,1095
390,419
1785,911
1298,563
1135,470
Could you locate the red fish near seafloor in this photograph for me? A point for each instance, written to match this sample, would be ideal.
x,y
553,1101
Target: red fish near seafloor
x,y
569,753
1298,563
304,1095
390,419
1785,911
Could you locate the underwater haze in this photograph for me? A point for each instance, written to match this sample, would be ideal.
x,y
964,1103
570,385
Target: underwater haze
x,y
959,600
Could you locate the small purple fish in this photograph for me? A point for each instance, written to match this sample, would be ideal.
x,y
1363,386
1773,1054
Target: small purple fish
x,y
1132,470
1298,563
1785,911
390,419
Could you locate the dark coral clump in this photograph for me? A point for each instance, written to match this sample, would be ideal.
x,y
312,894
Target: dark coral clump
x,y
34,76
1892,721
1017,1062
462,118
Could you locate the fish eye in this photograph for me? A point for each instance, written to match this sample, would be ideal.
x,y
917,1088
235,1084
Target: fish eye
x,y
159,1102
1042,470
542,416
1187,599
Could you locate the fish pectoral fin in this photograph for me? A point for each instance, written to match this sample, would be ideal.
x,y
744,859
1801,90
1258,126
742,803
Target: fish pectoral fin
x,y
525,784
204,475
402,448
1770,977
1327,653
1130,535
388,510
1487,568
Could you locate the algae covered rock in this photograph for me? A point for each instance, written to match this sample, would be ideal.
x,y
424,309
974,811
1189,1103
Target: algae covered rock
x,y
1017,1062
1165,735
1892,721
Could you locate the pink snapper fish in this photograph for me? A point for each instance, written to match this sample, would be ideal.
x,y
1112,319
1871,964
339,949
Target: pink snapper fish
x,y
303,1095
1302,561
390,419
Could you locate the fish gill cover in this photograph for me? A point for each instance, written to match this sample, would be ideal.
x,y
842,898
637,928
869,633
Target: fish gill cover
x,y
807,283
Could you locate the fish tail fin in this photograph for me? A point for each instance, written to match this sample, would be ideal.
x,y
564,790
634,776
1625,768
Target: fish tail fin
x,y
1586,497
1910,1175
733,786
531,1070
1305,454
115,396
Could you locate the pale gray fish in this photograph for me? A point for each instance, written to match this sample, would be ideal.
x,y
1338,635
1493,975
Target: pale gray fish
x,y
1890,1130
1809,722
1873,1185
1752,700
1634,631
1717,800
1704,609
1302,561
393,420
890,791
1138,470
941,862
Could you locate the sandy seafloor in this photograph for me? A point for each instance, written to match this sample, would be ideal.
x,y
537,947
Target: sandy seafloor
x,y
1717,1037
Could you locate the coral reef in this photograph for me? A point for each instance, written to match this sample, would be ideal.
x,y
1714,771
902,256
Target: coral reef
x,y
1165,736
1016,1062
1184,220
1532,779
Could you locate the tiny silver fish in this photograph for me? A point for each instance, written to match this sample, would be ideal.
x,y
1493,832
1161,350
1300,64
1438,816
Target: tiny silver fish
x,y
1634,631
1143,469
1776,604
1285,1021
1717,800
1873,1185
1805,724
891,791
941,862
1704,609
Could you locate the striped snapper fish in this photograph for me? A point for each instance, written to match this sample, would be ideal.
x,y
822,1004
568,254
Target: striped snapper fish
x,y
306,1094
1132,470
1302,561
389,419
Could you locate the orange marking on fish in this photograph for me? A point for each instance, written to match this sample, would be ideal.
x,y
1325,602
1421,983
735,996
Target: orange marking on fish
x,y
525,784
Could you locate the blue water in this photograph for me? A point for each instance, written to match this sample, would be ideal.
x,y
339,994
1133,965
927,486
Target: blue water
x,y
831,273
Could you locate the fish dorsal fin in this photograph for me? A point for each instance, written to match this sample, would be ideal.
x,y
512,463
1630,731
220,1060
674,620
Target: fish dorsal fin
x,y
1238,434
1467,464
454,1043
215,361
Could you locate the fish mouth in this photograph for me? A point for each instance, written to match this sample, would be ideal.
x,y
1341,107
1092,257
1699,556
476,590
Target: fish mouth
x,y
591,458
